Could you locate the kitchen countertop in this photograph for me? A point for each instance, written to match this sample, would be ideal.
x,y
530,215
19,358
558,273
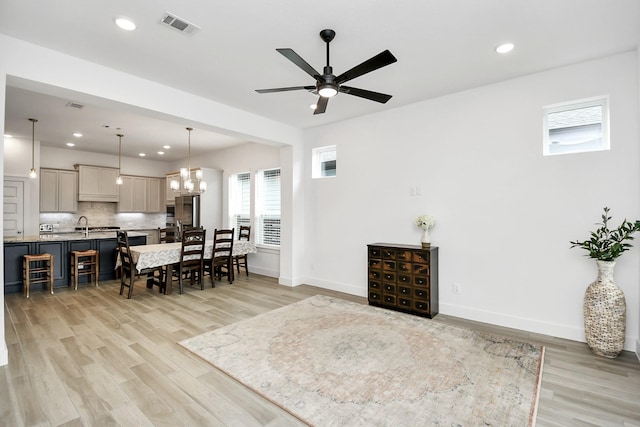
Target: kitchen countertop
x,y
57,237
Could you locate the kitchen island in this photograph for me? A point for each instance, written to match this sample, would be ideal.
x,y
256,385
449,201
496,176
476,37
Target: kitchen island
x,y
60,245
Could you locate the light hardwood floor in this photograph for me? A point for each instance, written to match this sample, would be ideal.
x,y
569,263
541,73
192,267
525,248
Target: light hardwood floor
x,y
91,357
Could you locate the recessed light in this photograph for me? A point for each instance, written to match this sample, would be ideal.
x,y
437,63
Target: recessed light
x,y
125,23
313,106
141,154
166,147
505,48
161,152
70,144
77,134
6,135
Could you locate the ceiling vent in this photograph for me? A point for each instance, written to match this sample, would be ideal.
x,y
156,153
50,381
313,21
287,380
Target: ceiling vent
x,y
75,105
179,24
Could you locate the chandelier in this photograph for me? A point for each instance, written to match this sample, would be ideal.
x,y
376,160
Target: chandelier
x,y
187,176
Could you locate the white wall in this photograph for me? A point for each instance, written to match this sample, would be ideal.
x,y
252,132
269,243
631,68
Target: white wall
x,y
250,157
17,156
4,353
62,158
49,70
504,213
638,71
17,164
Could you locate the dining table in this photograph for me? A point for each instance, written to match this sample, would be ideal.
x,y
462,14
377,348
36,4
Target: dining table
x,y
168,254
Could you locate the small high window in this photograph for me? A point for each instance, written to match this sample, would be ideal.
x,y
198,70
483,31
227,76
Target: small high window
x,y
576,127
324,162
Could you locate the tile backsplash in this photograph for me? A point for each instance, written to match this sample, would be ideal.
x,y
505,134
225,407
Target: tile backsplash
x,y
103,214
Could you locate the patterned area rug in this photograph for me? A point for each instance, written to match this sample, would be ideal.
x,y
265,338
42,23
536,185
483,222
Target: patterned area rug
x,y
331,362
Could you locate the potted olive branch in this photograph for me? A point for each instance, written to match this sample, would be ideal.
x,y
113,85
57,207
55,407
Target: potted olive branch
x,y
604,303
606,244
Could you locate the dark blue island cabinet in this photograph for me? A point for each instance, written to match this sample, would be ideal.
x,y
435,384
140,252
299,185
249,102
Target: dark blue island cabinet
x,y
61,251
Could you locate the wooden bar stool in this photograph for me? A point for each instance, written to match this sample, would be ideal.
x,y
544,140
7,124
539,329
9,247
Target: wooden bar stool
x,y
40,272
84,263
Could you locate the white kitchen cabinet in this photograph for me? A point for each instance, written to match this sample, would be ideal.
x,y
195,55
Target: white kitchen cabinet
x,y
133,194
170,195
58,190
97,184
155,195
141,194
126,194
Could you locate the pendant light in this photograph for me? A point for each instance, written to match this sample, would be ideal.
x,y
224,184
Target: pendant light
x,y
119,179
32,172
185,174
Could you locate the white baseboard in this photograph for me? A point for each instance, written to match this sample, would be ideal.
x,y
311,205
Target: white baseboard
x,y
574,333
261,271
336,286
4,354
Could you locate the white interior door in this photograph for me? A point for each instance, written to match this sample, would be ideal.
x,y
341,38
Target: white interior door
x,y
13,208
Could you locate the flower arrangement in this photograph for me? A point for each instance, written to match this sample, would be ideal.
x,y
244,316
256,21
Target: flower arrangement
x,y
606,244
425,221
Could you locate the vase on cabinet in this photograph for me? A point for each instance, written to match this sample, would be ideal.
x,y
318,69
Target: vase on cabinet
x,y
605,313
426,242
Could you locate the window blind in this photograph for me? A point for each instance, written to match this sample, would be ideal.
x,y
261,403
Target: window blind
x,y
268,207
239,200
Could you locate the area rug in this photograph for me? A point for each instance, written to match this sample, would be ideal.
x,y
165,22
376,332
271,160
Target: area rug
x,y
331,362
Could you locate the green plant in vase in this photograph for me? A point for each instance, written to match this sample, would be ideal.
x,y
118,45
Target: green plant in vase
x,y
604,304
606,244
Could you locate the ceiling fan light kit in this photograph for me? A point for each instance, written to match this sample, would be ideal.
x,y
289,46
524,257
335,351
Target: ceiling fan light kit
x,y
327,84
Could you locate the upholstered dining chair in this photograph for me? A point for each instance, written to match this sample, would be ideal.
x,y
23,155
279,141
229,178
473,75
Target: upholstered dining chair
x,y
221,262
241,260
192,257
128,271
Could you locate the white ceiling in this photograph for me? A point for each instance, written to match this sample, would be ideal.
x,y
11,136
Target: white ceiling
x,y
442,46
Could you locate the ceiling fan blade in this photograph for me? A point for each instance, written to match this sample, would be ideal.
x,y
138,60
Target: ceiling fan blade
x,y
380,60
367,94
297,59
321,105
284,89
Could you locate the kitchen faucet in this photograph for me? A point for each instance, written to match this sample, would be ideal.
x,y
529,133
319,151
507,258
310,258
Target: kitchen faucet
x,y
86,225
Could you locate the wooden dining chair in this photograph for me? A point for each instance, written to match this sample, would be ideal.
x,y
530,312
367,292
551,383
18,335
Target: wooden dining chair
x,y
221,262
168,235
128,271
241,260
192,257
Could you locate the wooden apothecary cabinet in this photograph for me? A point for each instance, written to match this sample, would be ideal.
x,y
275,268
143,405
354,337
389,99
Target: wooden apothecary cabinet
x,y
403,278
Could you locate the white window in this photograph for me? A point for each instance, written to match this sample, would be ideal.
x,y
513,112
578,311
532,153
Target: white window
x,y
267,211
576,127
324,162
239,200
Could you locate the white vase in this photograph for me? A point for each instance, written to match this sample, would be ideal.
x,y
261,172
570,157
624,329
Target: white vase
x,y
605,313
425,238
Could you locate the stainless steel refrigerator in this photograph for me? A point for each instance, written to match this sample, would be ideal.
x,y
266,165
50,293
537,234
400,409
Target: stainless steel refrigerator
x,y
187,211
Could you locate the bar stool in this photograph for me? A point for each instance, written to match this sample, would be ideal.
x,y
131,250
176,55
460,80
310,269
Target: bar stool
x,y
84,263
41,270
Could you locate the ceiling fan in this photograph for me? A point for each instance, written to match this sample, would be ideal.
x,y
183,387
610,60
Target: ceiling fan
x,y
327,84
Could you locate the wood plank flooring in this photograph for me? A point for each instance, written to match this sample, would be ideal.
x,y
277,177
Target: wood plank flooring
x,y
93,358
